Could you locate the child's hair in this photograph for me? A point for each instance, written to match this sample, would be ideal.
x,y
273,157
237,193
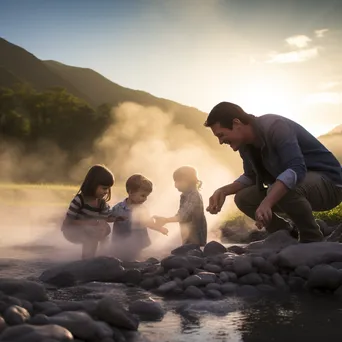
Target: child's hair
x,y
188,174
97,175
138,182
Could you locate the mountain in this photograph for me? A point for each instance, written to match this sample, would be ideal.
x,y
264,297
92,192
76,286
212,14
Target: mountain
x,y
333,141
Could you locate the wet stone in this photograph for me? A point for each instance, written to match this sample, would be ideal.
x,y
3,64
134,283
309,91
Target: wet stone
x,y
213,286
251,279
242,266
325,276
303,271
185,249
247,291
193,292
213,248
215,294
296,283
181,273
228,288
147,309
15,315
213,268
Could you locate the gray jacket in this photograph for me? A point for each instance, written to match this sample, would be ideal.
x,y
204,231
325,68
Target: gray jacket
x,y
286,153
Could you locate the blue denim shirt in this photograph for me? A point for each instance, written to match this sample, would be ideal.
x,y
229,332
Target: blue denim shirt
x,y
287,152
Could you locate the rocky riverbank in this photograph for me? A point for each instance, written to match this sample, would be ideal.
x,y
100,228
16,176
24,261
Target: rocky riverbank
x,y
278,264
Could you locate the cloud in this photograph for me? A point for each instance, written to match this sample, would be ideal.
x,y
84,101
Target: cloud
x,y
321,33
299,41
324,97
294,56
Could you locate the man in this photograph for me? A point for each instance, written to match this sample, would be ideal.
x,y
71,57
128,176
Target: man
x,y
286,170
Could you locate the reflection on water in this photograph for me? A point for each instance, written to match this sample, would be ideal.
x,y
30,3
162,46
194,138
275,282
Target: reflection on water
x,y
287,318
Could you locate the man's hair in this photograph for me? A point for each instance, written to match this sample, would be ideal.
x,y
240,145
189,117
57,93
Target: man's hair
x,y
138,182
225,112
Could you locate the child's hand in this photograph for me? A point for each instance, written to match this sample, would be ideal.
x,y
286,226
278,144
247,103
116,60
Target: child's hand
x,y
159,220
164,230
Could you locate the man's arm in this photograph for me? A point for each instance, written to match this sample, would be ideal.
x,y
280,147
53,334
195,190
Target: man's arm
x,y
285,142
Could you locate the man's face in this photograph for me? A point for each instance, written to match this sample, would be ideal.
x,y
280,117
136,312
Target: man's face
x,y
233,137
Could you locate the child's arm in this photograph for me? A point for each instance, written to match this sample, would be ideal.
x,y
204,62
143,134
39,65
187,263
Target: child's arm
x,y
155,226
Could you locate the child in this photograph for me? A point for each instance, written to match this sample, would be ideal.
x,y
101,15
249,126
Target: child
x,y
193,224
85,221
130,234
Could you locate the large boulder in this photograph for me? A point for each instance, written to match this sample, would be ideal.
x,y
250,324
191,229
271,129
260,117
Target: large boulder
x,y
32,333
310,254
112,312
325,277
23,289
272,244
103,269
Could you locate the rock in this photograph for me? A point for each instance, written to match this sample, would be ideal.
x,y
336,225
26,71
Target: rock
x,y
180,273
232,277
224,277
193,292
279,282
39,319
266,278
207,278
324,276
3,325
251,279
15,315
273,258
147,309
213,248
310,254
43,306
167,287
338,292
228,288
185,249
337,265
176,262
242,266
103,331
213,286
23,289
193,280
266,288
32,333
148,283
102,269
215,294
152,261
247,291
258,262
111,312
273,243
118,335
195,261
89,306
296,283
195,252
303,271
236,250
212,268
267,268
132,276
27,305
80,324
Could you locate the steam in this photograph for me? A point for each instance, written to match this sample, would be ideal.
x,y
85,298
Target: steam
x,y
146,140
142,140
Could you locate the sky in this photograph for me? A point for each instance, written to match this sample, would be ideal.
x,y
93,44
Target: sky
x,y
281,57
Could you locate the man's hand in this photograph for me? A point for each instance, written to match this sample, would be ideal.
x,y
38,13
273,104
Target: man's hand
x,y
216,201
263,215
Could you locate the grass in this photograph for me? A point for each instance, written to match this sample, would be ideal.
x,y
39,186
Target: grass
x,y
332,217
47,195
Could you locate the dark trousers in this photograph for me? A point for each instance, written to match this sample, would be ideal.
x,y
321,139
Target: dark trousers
x,y
314,193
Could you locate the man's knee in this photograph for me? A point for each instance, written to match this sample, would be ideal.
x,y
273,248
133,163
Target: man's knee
x,y
248,196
